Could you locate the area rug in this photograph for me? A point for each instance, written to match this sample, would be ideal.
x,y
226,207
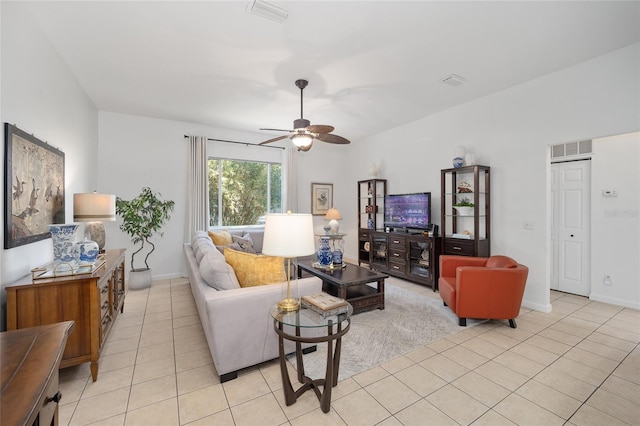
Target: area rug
x,y
408,322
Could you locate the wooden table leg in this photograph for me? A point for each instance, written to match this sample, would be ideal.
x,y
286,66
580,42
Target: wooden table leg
x,y
325,400
299,360
336,357
289,394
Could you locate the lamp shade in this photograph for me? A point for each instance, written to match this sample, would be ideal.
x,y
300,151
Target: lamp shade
x,y
94,207
288,235
333,213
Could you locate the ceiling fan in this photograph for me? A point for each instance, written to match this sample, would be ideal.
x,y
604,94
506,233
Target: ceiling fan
x,y
304,133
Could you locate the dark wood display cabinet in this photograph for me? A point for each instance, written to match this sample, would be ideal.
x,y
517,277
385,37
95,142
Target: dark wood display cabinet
x,y
371,194
466,229
413,257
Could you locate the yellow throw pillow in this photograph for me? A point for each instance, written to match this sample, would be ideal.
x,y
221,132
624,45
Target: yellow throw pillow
x,y
253,270
222,238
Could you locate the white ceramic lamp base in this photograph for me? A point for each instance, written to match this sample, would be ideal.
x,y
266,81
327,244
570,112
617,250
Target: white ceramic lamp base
x,y
94,231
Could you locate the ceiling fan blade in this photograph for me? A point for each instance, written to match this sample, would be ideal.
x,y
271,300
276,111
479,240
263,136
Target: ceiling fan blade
x,y
278,130
330,138
320,128
274,140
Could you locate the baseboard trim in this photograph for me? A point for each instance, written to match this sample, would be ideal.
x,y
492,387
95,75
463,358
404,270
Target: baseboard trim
x,y
537,306
614,301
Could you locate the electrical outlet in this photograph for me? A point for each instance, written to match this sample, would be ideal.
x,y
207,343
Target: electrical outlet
x,y
607,280
529,225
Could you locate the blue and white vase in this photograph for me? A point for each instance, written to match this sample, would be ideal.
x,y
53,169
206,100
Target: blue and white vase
x,y
370,223
64,239
325,257
458,162
87,251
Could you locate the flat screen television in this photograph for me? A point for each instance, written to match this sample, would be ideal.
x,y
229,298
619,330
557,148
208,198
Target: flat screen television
x,y
407,211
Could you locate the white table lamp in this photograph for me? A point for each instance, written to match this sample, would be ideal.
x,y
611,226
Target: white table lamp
x,y
94,209
289,235
333,216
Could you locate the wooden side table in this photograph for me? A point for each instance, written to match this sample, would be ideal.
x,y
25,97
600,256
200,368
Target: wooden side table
x,y
29,360
308,319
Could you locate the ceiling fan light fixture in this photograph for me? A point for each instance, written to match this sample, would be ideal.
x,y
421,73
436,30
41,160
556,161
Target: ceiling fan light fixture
x,y
302,141
268,10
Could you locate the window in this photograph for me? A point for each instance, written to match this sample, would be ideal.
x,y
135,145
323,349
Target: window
x,y
243,192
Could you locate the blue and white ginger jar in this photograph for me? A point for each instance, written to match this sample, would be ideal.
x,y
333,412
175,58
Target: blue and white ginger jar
x,y
64,238
87,251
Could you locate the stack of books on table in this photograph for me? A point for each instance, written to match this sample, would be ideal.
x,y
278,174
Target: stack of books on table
x,y
325,304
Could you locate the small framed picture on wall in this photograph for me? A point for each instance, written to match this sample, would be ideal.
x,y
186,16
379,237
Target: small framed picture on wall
x,y
321,198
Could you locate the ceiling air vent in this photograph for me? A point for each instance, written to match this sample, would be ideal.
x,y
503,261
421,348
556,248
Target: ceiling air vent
x,y
453,80
268,10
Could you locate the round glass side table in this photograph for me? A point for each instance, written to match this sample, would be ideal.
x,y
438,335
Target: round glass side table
x,y
292,326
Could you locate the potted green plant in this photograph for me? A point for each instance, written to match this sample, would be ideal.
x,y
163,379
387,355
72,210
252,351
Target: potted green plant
x,y
142,218
464,207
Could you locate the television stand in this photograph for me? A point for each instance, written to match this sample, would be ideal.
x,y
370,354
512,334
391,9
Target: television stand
x,y
413,257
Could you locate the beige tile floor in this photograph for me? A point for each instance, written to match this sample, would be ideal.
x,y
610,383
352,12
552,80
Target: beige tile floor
x,y
579,365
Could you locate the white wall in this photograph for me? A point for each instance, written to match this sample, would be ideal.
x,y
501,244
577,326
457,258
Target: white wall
x,y
42,97
141,151
615,221
509,131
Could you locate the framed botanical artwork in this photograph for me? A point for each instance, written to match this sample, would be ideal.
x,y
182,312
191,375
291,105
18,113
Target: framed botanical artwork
x,y
321,198
34,187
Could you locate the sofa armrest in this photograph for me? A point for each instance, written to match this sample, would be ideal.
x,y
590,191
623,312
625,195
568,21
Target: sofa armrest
x,y
241,326
449,263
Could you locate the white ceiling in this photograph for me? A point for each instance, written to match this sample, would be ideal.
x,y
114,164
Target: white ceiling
x,y
371,65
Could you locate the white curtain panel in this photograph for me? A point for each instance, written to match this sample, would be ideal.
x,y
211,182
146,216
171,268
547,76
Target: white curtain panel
x,y
198,192
291,173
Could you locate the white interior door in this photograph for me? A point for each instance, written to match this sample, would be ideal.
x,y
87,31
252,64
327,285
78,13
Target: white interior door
x,y
570,229
553,247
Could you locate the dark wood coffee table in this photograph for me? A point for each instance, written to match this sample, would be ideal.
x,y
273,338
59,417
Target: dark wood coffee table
x,y
350,283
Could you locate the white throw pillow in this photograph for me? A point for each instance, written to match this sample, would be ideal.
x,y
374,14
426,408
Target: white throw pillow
x,y
215,271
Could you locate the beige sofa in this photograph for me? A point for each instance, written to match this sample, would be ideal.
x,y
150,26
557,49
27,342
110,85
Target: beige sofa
x,y
236,321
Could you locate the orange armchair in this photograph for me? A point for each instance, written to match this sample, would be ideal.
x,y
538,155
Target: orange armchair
x,y
480,287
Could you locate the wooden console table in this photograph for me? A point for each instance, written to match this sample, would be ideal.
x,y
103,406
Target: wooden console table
x,y
93,301
29,379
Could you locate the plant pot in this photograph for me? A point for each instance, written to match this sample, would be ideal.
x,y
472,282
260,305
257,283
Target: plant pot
x,y
139,279
464,210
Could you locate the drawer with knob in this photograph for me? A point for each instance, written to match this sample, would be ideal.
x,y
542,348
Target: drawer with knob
x,y
458,246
